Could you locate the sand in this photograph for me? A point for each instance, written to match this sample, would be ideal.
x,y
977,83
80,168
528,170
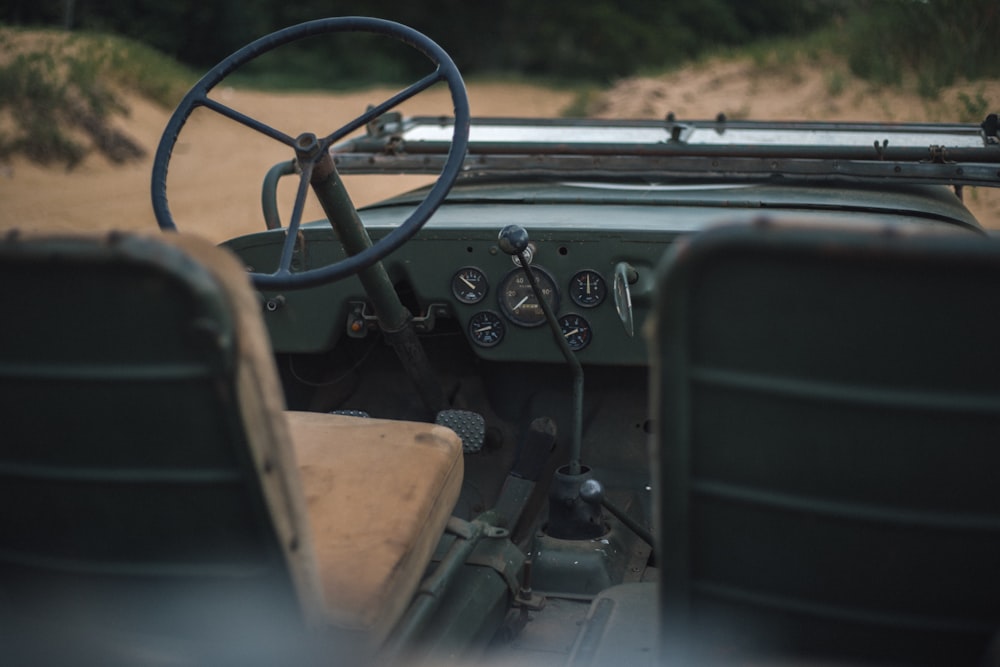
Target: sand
x,y
217,168
218,165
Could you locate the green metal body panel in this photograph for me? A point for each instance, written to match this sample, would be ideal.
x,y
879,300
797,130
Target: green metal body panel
x,y
470,613
572,229
620,629
581,568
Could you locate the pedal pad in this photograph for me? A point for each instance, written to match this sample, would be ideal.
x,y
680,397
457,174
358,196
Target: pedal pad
x,y
351,413
470,427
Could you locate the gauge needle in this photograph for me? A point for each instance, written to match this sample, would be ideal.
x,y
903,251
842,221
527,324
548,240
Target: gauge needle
x,y
471,286
488,327
520,303
570,333
588,283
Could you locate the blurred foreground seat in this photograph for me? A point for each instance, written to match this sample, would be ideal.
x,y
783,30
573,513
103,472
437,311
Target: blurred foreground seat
x,y
158,504
828,451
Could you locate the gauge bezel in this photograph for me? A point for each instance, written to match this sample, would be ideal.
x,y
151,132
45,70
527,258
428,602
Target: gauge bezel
x,y
623,298
506,306
586,322
458,293
573,293
499,322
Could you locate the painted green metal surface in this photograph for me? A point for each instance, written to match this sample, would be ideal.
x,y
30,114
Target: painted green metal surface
x,y
572,229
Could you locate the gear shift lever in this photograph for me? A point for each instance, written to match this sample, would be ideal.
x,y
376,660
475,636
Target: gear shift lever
x,y
573,514
513,240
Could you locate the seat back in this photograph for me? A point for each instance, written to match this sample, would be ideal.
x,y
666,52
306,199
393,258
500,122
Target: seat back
x,y
828,444
144,462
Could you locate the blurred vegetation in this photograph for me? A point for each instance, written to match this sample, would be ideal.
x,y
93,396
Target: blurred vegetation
x,y
887,41
58,93
933,42
597,40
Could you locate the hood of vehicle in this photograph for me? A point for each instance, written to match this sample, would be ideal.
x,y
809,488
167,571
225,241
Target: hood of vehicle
x,y
913,201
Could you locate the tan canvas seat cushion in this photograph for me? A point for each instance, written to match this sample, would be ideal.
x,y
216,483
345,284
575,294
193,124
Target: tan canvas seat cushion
x,y
378,494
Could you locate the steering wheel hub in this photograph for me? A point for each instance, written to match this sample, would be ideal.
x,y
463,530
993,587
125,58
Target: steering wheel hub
x,y
308,146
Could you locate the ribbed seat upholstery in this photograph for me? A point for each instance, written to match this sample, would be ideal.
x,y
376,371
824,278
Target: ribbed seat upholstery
x,y
154,494
828,439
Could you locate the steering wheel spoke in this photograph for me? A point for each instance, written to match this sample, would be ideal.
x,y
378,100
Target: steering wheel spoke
x,y
243,119
292,232
379,109
284,277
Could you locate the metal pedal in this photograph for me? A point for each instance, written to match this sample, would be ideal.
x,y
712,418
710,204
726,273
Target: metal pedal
x,y
470,427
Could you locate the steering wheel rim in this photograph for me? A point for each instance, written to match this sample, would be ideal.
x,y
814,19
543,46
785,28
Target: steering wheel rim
x,y
445,71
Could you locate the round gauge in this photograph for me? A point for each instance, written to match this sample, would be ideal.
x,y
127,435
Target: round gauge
x,y
486,329
469,285
587,288
576,330
518,301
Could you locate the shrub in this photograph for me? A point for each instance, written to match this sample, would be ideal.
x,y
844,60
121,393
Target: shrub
x,y
936,42
58,93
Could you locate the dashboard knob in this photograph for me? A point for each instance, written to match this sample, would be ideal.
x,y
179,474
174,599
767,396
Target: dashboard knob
x,y
513,239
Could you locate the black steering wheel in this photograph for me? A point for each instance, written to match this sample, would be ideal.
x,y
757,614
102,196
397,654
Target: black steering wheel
x,y
283,277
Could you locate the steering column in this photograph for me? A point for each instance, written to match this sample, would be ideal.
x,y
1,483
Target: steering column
x,y
394,319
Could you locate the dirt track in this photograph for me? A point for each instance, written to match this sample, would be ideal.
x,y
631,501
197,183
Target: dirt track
x,y
216,173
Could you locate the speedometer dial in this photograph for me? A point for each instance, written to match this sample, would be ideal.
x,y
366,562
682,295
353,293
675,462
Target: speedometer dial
x,y
518,301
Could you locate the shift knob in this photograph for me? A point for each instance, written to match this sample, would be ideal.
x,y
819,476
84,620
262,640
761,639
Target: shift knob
x,y
513,239
592,491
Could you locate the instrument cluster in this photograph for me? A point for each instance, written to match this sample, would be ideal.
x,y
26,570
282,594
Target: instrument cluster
x,y
516,303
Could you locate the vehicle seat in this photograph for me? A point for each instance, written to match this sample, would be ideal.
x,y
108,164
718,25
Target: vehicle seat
x,y
153,487
828,444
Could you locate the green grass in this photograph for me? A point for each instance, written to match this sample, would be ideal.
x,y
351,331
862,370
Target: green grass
x,y
973,108
913,47
582,103
778,53
136,67
59,92
933,44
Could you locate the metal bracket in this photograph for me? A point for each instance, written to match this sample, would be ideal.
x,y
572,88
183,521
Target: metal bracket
x,y
390,123
498,553
939,154
880,148
529,600
360,321
990,129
